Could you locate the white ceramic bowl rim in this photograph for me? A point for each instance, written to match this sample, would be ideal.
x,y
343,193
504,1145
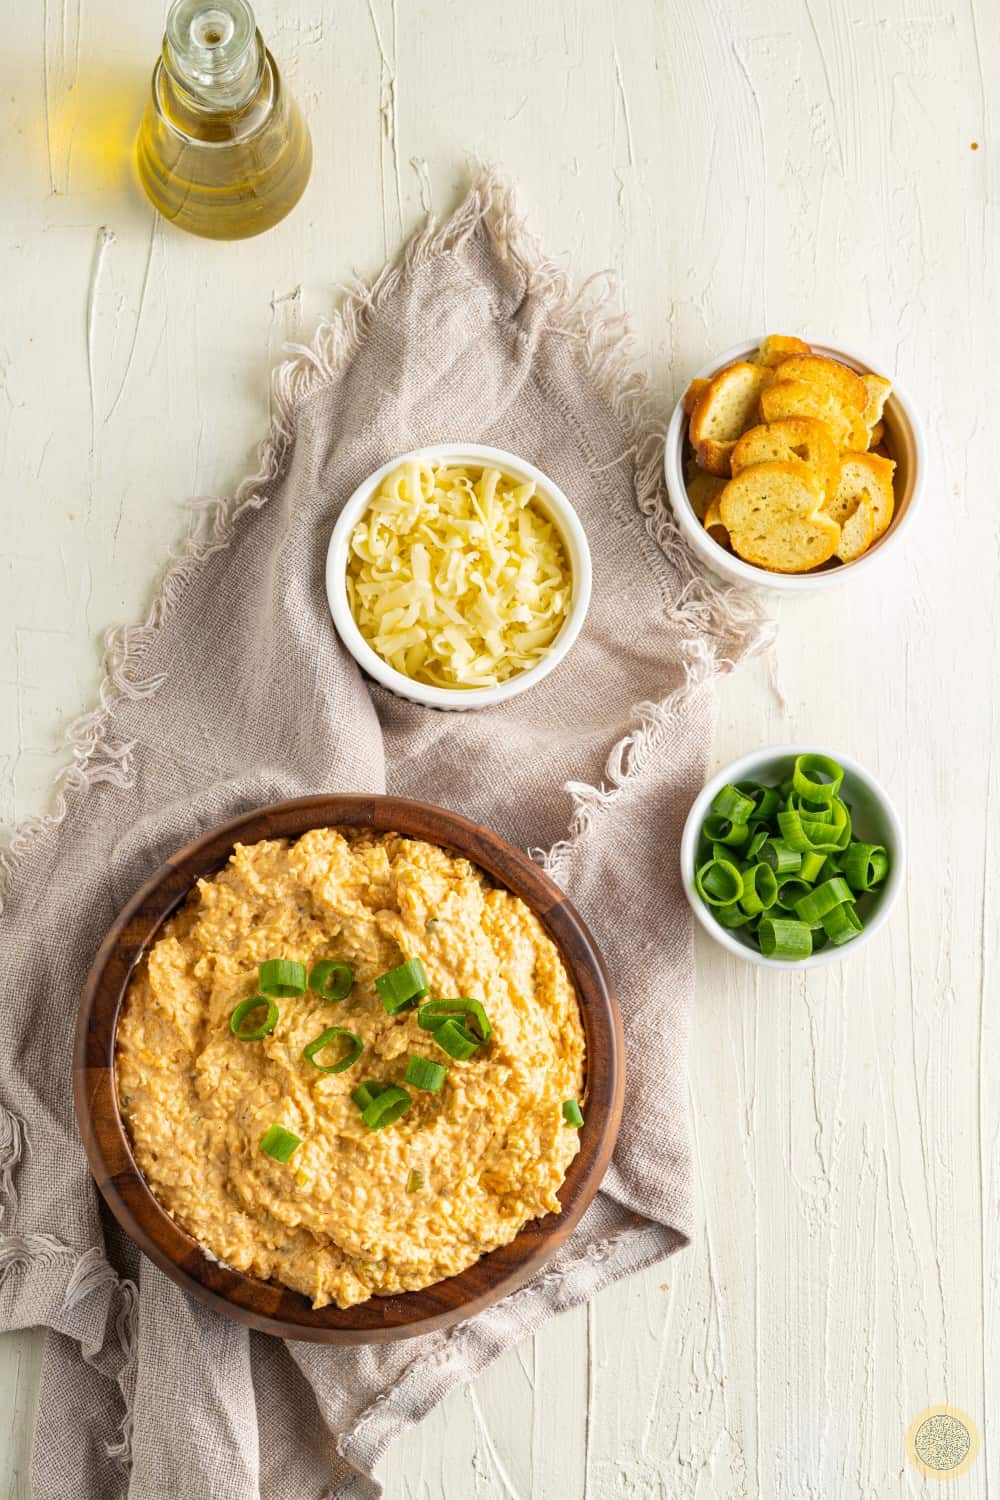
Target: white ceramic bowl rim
x,y
734,567
747,768
550,497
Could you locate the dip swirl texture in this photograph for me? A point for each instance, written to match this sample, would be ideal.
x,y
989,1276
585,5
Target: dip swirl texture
x,y
337,1222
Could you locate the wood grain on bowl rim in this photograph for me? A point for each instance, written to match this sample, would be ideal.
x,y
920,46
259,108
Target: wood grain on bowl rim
x,y
268,1306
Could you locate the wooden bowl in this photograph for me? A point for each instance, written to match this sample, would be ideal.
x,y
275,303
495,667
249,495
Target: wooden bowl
x,y
268,1306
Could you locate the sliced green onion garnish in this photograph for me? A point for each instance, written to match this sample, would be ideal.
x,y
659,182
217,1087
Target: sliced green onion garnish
x,y
719,883
470,1012
765,800
782,859
760,889
402,986
732,804
865,866
812,864
724,831
455,1039
355,1047
415,1181
331,979
730,916
426,1075
841,924
817,778
367,1091
758,839
572,1113
790,891
386,1108
263,1028
280,1144
282,976
782,937
815,904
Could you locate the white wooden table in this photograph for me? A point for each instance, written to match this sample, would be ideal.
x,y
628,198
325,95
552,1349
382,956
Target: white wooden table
x,y
803,166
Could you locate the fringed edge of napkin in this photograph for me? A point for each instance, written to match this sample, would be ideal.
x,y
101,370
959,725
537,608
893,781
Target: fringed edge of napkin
x,y
724,625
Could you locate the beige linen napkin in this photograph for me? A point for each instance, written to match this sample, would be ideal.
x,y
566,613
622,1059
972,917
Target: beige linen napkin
x,y
235,692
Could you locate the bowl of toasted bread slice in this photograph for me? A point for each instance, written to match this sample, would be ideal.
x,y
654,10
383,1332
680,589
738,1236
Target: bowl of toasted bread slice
x,y
789,465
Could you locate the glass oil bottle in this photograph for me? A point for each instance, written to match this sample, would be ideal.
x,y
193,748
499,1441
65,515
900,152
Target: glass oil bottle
x,y
223,150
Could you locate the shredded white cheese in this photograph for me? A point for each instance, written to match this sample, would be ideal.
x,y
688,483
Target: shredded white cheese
x,y
456,577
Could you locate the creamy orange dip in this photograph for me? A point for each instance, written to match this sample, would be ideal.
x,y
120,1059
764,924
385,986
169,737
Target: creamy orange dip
x,y
337,1222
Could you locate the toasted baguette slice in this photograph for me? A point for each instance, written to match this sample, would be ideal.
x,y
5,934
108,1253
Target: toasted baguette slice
x,y
715,457
713,515
779,346
726,408
878,389
773,516
877,434
714,527
693,394
794,398
702,490
858,532
793,440
865,475
829,375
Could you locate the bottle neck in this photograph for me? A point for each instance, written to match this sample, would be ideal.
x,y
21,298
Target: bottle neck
x,y
213,53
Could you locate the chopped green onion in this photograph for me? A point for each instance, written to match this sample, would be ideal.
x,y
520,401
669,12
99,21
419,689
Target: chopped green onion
x,y
455,1039
724,831
817,778
367,1091
244,1009
782,859
403,986
572,1113
760,889
806,835
865,866
280,1144
758,839
282,976
415,1181
815,904
841,924
386,1108
431,1015
426,1075
765,800
732,915
790,891
812,864
768,804
332,980
781,937
719,883
732,804
355,1047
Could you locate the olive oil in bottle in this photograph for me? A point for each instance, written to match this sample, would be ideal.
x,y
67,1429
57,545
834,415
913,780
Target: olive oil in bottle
x,y
223,150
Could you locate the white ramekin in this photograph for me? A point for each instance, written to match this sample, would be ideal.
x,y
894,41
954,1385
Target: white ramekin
x,y
876,822
548,496
905,443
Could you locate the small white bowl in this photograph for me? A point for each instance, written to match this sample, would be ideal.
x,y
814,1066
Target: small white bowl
x,y
904,440
875,821
549,498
